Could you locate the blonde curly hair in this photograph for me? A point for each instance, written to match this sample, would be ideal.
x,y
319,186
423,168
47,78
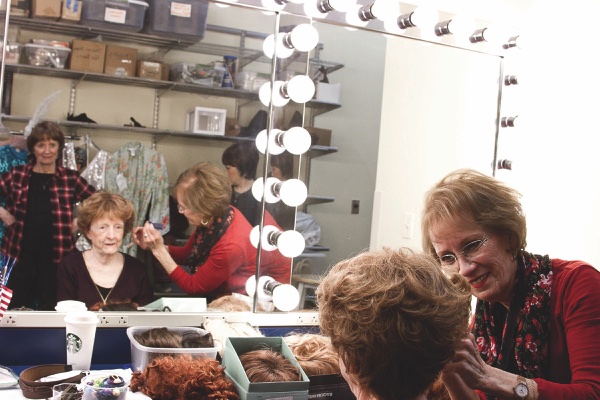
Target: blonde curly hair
x,y
314,353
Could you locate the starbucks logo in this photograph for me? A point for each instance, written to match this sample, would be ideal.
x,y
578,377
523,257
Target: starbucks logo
x,y
73,343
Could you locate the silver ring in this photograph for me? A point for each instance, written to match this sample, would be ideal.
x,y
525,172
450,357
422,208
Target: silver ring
x,y
145,236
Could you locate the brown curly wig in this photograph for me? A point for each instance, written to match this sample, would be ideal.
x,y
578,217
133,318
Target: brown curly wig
x,y
183,378
394,318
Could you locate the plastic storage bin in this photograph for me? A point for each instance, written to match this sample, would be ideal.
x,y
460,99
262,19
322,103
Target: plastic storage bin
x,y
126,16
142,355
199,74
13,53
46,56
181,19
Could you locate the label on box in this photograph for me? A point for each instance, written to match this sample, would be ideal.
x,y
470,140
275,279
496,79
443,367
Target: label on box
x,y
181,10
115,15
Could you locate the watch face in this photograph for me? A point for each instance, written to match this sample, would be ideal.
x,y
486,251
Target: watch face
x,y
521,390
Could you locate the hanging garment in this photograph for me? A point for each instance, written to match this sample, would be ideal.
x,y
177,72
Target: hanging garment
x,y
9,157
140,175
68,160
94,173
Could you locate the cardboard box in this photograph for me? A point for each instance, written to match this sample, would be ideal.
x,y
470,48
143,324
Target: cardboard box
x,y
165,71
71,10
120,61
320,137
46,9
20,8
232,127
149,70
261,390
87,56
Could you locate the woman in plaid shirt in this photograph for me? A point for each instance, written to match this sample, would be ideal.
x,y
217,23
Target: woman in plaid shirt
x,y
40,200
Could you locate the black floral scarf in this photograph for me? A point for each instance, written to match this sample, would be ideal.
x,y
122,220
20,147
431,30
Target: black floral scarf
x,y
206,237
523,346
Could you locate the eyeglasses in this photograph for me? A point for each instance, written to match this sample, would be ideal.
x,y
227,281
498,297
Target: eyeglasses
x,y
470,251
181,208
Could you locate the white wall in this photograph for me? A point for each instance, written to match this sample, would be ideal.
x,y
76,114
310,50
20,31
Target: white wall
x,y
554,154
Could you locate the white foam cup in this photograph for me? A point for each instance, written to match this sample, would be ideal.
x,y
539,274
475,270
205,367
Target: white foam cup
x,y
80,335
70,305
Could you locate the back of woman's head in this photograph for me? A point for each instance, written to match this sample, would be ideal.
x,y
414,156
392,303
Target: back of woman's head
x,y
105,204
205,188
472,196
394,319
314,353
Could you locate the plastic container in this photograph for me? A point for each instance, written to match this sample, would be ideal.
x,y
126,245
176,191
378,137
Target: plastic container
x,y
181,19
200,74
46,56
13,53
128,16
142,355
104,387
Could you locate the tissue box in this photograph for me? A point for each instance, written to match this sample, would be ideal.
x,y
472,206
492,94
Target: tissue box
x,y
206,121
142,355
329,92
71,11
261,390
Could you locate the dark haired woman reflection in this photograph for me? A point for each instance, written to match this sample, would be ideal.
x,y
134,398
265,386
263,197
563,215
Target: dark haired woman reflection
x,y
40,200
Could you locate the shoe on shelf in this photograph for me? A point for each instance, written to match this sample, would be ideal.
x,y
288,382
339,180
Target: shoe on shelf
x,y
80,118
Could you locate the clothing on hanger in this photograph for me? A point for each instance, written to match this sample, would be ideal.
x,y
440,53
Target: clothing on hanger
x,y
95,171
68,156
139,174
10,157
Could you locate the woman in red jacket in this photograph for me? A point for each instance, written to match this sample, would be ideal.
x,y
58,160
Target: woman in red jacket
x,y
219,255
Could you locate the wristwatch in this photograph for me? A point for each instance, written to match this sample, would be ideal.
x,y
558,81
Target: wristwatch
x,y
521,389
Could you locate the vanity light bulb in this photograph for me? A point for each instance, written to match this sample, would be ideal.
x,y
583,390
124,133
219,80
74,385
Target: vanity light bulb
x,y
264,94
270,49
297,140
353,16
495,34
461,27
262,139
250,286
266,244
300,88
286,297
293,192
304,37
311,9
273,5
258,189
424,17
385,10
342,5
291,243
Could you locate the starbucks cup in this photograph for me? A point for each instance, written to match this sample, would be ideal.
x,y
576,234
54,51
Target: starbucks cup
x,y
80,335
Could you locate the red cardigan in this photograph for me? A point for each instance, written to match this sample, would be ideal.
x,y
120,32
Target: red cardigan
x,y
230,262
574,351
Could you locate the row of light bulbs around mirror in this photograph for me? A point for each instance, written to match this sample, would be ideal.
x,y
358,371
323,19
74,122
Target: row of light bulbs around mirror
x,y
395,21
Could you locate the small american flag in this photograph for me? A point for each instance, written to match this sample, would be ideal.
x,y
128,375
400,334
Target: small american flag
x,y
5,296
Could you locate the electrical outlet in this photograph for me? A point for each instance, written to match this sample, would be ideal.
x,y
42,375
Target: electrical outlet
x,y
308,319
10,320
113,320
355,206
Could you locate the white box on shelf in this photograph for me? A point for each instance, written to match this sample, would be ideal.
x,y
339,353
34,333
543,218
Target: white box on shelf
x,y
329,92
206,121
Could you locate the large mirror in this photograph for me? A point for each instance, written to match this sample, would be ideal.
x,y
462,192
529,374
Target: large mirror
x,y
410,111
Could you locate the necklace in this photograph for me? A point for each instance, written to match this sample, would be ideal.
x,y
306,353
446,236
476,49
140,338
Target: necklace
x,y
100,293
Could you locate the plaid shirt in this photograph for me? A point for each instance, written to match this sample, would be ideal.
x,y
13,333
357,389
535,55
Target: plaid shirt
x,y
66,189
